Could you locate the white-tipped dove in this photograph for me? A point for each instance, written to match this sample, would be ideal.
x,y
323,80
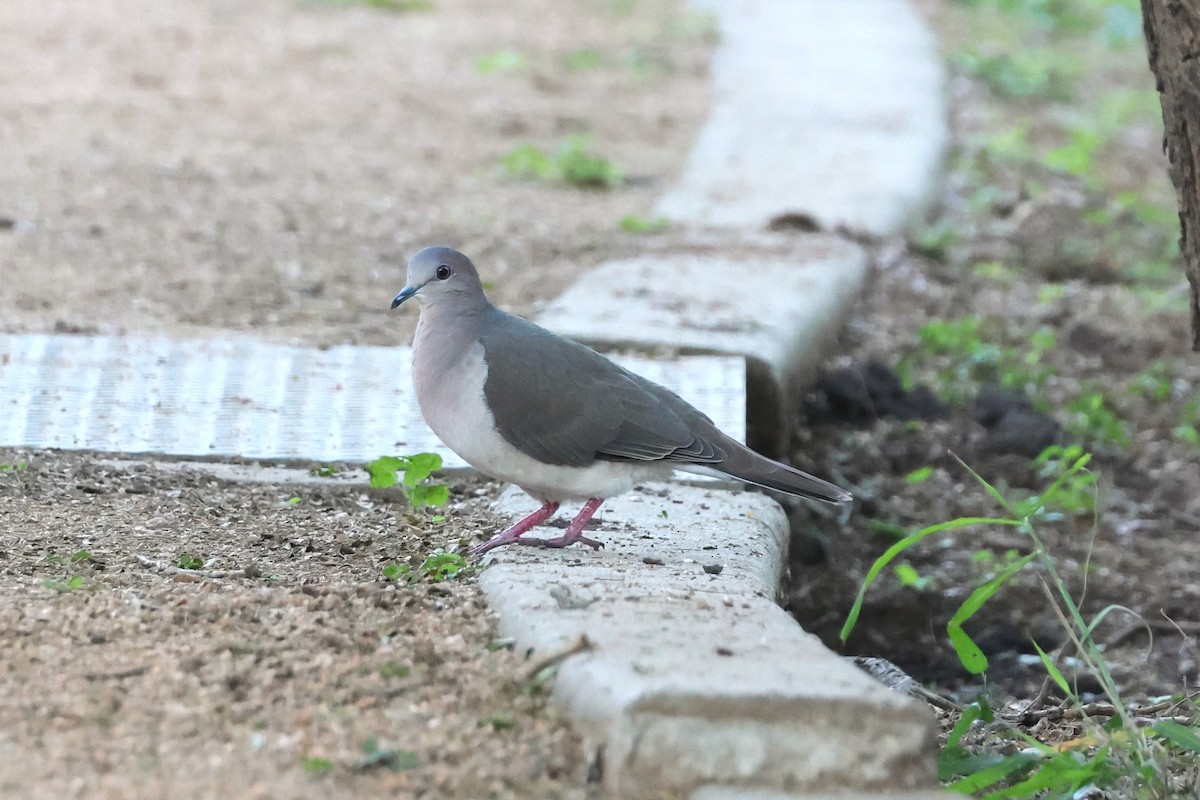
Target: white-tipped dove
x,y
552,416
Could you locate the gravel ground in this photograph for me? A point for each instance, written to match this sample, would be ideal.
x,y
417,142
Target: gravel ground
x,y
287,665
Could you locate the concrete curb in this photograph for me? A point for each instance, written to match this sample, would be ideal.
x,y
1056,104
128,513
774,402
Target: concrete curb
x,y
694,676
830,111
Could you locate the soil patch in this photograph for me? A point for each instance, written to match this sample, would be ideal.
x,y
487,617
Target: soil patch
x,y
269,167
286,665
1025,344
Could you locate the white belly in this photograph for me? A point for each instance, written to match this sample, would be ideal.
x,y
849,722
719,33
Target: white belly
x,y
452,402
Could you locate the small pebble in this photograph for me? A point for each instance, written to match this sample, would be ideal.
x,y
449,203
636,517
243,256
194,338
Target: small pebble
x,y
714,569
655,560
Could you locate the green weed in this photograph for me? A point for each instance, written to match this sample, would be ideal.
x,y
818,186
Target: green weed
x,y
437,566
412,474
1153,382
63,586
1188,429
390,670
1119,754
908,576
584,59
632,223
13,467
919,475
1094,420
580,166
1077,156
316,765
376,756
325,470
1036,72
188,561
961,358
1076,495
574,162
933,241
500,61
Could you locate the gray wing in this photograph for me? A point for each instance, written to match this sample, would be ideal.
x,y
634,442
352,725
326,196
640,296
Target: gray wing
x,y
562,403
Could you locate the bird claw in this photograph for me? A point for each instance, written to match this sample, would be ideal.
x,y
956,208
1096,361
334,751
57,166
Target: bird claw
x,y
560,541
533,541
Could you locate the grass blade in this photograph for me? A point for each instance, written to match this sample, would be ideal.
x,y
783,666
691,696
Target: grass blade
x,y
899,547
972,658
1053,671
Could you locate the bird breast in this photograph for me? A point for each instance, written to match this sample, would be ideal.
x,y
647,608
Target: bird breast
x,y
449,373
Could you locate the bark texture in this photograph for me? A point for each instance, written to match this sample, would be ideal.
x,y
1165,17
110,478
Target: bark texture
x,y
1173,39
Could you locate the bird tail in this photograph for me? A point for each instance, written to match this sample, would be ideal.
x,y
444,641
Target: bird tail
x,y
746,465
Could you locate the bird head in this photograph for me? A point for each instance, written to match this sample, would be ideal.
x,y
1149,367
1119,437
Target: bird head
x,y
440,274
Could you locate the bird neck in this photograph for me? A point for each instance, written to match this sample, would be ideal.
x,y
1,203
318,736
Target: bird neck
x,y
455,304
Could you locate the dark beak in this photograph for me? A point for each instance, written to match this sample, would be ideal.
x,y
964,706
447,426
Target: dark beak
x,y
405,293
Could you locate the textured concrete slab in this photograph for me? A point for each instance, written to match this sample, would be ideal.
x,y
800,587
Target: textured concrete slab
x,y
778,315
254,399
694,676
830,110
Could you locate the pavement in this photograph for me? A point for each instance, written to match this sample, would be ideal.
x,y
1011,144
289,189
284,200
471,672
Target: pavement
x,y
673,657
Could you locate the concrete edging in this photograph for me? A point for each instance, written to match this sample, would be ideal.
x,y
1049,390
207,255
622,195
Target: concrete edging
x,y
695,676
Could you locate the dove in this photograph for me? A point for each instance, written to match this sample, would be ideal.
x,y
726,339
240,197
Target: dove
x,y
554,417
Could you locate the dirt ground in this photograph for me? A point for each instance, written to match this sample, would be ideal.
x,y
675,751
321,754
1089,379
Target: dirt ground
x,y
268,168
204,167
287,666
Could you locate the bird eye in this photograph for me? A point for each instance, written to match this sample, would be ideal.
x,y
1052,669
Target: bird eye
x,y
443,272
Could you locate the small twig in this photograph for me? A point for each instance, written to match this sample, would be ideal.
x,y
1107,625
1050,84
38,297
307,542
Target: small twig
x,y
132,672
199,573
1039,701
580,644
900,681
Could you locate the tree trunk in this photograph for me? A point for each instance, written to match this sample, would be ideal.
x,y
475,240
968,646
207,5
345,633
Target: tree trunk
x,y
1173,38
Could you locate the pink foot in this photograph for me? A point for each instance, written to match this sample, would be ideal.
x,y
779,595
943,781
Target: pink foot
x,y
513,532
573,535
574,531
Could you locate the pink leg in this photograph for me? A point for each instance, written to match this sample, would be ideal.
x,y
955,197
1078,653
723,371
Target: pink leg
x,y
574,531
513,532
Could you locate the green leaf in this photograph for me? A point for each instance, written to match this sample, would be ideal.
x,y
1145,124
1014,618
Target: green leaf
x,y
1178,735
919,475
908,576
972,658
419,467
435,495
395,572
1053,671
188,561
383,471
440,566
991,774
954,760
